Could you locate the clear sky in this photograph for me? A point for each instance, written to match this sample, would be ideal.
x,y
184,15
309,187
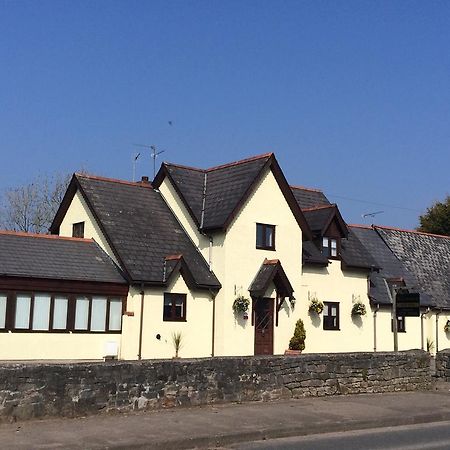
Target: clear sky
x,y
352,96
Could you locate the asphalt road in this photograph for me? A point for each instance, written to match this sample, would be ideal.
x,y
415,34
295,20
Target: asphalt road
x,y
411,437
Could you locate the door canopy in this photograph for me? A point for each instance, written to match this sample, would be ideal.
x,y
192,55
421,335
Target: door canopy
x,y
271,271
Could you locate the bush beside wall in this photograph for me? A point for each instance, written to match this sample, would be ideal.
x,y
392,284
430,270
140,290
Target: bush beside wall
x,y
44,390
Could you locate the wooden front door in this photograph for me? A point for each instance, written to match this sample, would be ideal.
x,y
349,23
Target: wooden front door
x,y
263,316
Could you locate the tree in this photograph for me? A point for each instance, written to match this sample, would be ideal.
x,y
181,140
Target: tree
x,y
32,207
437,218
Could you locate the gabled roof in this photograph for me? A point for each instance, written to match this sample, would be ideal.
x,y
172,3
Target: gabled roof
x,y
214,196
390,267
140,228
43,256
319,219
271,271
427,256
309,198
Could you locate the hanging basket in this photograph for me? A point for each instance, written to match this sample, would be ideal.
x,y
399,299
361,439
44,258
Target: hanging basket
x,y
241,304
316,306
359,309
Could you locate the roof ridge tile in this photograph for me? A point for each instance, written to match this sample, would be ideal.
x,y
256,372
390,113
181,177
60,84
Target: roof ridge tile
x,y
114,180
44,236
314,208
304,188
384,227
241,161
182,166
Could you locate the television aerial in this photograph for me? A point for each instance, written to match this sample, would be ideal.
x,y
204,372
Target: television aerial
x,y
154,154
371,214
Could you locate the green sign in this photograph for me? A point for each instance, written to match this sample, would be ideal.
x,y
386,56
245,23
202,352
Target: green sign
x,y
408,305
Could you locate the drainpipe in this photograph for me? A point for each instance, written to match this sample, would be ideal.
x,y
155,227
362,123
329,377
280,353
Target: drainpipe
x,y
437,330
141,322
422,316
210,253
213,325
377,307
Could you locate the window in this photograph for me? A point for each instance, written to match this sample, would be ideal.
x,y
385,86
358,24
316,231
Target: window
x,y
174,307
78,230
98,317
41,312
401,328
46,312
330,247
82,313
60,307
265,236
331,316
23,307
3,301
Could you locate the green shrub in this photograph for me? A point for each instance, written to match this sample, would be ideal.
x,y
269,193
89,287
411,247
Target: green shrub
x,y
297,341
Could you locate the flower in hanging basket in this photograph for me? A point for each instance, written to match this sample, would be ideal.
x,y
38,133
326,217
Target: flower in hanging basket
x,y
316,306
447,326
359,309
241,304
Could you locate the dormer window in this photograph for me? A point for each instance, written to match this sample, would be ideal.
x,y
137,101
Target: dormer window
x,y
265,236
330,247
78,230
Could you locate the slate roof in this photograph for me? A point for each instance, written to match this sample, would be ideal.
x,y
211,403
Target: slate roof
x,y
141,229
223,186
52,257
390,266
312,255
427,256
309,198
271,270
213,196
319,219
355,255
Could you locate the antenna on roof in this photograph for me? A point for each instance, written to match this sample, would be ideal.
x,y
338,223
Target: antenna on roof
x,y
371,214
135,158
154,154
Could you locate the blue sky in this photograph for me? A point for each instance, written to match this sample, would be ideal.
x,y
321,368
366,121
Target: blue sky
x,y
353,97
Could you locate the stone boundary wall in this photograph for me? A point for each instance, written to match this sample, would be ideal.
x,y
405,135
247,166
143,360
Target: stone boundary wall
x,y
443,365
35,390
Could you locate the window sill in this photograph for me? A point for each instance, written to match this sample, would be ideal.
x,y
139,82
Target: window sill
x,y
266,248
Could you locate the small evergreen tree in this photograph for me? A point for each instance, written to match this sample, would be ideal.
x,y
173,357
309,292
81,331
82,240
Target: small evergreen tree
x,y
297,341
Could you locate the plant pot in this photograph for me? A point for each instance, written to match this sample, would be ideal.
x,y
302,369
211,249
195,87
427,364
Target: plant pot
x,y
290,352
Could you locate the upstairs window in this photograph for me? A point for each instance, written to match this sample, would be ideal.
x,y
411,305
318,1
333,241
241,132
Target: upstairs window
x,y
78,230
265,236
330,247
331,316
174,307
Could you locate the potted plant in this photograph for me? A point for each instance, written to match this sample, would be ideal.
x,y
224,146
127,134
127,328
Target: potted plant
x,y
177,340
359,309
241,304
316,305
297,342
447,326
